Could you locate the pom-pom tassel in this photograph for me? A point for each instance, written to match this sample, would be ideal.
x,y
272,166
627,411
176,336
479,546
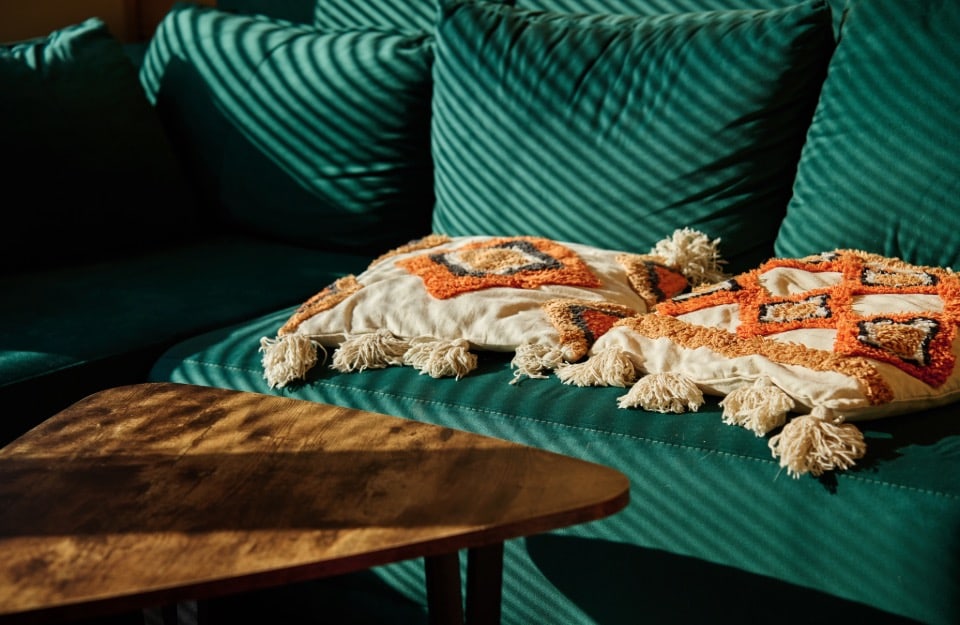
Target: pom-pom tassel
x,y
694,254
532,359
441,358
371,350
287,358
663,392
760,407
812,444
609,367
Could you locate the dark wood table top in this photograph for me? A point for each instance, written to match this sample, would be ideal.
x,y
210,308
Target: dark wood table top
x,y
149,494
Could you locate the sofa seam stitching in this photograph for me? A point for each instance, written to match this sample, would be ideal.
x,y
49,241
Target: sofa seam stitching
x,y
504,416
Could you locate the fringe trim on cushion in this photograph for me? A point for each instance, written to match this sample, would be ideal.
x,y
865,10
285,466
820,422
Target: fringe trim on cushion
x,y
663,392
694,254
441,358
532,359
371,350
288,358
610,367
813,444
760,407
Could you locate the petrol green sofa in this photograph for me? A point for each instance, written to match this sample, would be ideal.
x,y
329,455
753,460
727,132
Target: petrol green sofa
x,y
309,138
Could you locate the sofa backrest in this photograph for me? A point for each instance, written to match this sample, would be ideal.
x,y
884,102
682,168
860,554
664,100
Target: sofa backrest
x,y
880,169
422,14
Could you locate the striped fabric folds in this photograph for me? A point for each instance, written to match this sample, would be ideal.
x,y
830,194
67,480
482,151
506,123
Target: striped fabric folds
x,y
881,168
317,137
401,14
610,130
423,14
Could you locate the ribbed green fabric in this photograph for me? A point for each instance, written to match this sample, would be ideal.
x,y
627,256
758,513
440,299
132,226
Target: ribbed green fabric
x,y
87,170
613,131
314,137
85,327
423,14
299,11
402,14
881,167
882,533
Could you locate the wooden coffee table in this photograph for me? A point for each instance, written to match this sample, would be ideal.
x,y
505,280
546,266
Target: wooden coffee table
x,y
154,494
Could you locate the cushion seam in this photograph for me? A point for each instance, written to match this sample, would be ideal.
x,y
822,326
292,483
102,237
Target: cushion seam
x,y
505,416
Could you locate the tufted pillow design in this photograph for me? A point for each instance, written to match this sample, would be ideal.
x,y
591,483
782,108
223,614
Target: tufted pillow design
x,y
835,338
429,303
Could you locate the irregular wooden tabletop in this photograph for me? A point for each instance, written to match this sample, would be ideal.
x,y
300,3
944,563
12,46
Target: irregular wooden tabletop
x,y
147,494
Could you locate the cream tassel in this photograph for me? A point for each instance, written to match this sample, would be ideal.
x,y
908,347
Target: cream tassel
x,y
287,358
610,367
663,392
371,350
812,444
441,358
694,254
532,359
760,407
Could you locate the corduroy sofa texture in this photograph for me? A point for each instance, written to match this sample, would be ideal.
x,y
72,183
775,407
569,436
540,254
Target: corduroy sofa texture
x,y
175,205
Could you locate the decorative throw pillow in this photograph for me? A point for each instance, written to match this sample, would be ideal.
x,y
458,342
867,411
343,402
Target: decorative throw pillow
x,y
429,303
610,130
841,336
316,137
88,169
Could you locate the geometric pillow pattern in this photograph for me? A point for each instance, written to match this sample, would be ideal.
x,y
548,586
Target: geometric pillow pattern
x,y
434,301
916,341
805,345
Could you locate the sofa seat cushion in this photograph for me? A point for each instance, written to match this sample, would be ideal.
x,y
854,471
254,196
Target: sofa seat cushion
x,y
880,170
319,138
611,130
98,323
883,533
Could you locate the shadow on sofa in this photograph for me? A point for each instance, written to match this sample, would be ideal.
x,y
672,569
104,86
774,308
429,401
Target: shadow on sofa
x,y
611,579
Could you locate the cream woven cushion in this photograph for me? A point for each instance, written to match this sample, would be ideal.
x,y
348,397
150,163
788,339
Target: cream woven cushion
x,y
433,301
841,336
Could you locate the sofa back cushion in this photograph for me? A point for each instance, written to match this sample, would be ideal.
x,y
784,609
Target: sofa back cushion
x,y
88,170
881,167
313,137
423,14
298,11
611,130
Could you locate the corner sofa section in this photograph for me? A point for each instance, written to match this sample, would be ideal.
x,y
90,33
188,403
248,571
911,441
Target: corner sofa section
x,y
876,543
271,148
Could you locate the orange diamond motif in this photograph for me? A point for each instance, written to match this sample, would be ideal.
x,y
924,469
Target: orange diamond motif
x,y
515,262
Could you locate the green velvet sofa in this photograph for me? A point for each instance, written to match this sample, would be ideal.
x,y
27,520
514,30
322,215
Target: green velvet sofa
x,y
177,203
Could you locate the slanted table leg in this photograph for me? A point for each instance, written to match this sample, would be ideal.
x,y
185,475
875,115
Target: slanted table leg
x,y
484,587
484,584
444,601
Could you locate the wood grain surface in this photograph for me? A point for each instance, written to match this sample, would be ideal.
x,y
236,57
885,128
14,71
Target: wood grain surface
x,y
155,493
